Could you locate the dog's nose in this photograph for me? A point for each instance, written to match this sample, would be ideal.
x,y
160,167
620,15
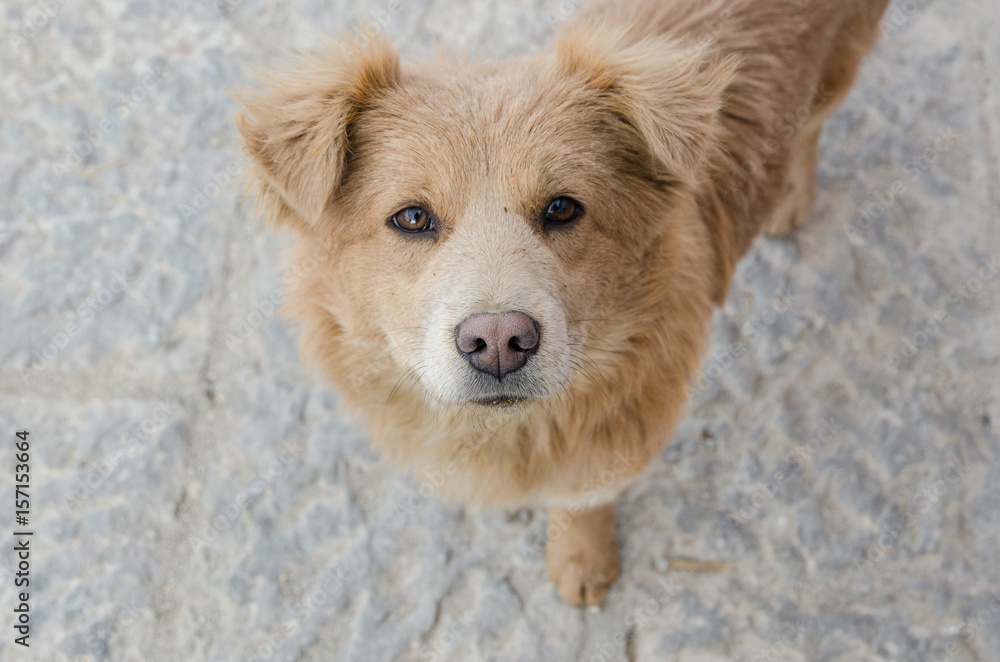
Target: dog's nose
x,y
497,344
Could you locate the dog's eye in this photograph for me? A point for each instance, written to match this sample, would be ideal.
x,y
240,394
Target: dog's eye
x,y
413,219
563,210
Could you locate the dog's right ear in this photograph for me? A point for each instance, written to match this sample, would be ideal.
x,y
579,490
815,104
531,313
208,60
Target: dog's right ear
x,y
295,130
670,92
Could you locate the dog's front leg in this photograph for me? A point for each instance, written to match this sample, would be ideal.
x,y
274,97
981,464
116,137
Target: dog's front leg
x,y
582,556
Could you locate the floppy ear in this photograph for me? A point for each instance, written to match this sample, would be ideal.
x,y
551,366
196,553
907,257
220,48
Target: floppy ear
x,y
295,130
669,92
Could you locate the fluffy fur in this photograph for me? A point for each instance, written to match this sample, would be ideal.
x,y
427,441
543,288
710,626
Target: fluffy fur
x,y
684,127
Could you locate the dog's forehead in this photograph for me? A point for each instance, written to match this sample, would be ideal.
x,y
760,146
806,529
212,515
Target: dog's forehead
x,y
456,129
514,106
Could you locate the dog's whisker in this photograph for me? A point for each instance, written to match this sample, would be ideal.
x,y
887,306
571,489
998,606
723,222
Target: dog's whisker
x,y
399,382
404,328
399,349
601,349
595,319
580,357
586,373
396,346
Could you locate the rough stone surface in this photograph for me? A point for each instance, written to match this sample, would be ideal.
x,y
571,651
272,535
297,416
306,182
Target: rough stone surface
x,y
199,500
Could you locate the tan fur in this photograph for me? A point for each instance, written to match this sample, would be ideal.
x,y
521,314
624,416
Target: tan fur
x,y
685,127
582,557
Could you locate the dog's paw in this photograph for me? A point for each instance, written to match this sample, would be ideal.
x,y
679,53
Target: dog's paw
x,y
582,556
795,202
583,580
794,207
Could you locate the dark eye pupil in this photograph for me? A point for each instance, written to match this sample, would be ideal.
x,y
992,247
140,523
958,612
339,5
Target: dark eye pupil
x,y
561,210
413,219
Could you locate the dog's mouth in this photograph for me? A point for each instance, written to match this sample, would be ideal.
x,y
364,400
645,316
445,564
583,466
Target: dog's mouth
x,y
500,400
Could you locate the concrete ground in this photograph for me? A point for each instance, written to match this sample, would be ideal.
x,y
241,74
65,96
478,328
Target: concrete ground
x,y
832,494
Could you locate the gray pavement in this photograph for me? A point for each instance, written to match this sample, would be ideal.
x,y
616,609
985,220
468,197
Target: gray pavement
x,y
196,495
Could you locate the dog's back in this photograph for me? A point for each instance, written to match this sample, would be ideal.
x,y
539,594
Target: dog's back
x,y
798,60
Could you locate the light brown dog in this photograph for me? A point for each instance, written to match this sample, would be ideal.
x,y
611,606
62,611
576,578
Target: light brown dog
x,y
519,259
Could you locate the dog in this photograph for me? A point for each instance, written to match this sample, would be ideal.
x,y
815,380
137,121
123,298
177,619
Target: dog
x,y
518,260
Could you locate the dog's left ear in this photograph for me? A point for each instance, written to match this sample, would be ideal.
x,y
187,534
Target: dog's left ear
x,y
669,92
295,130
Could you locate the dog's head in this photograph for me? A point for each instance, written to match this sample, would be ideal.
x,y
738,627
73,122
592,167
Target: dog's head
x,y
494,229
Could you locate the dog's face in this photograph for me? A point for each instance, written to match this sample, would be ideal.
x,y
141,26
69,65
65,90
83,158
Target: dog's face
x,y
491,223
482,221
